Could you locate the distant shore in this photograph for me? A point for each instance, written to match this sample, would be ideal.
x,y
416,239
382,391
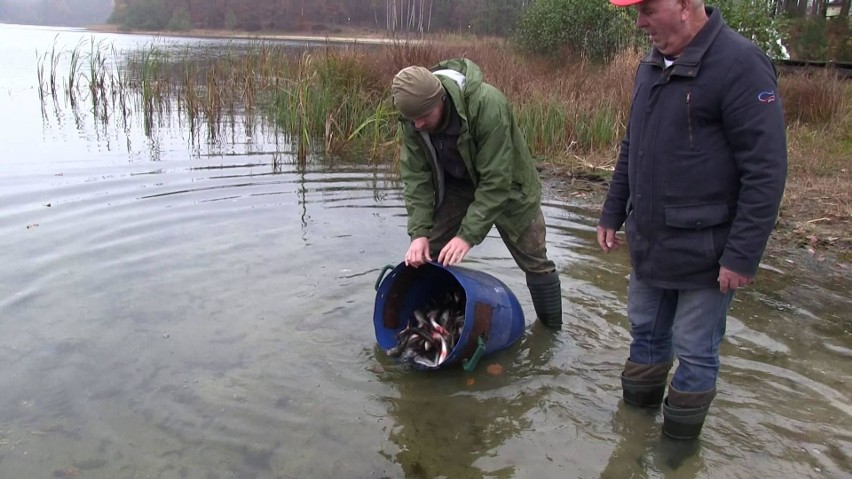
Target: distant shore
x,y
348,37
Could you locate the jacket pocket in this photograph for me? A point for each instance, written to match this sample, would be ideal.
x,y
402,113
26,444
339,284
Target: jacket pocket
x,y
691,244
697,216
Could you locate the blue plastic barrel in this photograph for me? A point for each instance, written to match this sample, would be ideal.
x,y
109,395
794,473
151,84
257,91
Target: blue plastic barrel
x,y
493,320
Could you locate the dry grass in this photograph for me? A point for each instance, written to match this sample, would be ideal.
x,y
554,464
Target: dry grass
x,y
817,205
573,115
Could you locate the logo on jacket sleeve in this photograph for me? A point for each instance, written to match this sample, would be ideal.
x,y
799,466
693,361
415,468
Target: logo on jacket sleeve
x,y
766,96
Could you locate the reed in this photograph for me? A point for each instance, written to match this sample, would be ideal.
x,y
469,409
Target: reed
x,y
598,129
814,97
818,108
117,88
54,68
41,77
545,121
96,76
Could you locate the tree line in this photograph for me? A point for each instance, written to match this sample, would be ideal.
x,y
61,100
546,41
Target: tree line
x,y
795,28
811,8
816,29
800,29
491,17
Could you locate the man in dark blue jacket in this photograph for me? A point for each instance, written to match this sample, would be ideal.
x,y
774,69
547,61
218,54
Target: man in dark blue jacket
x,y
697,186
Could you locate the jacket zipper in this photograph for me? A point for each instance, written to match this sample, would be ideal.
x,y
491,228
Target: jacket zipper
x,y
436,168
689,117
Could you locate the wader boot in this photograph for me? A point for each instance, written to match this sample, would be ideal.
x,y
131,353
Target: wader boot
x,y
546,293
644,385
684,413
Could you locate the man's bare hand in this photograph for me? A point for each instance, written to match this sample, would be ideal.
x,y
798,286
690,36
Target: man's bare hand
x,y
418,252
453,252
730,280
607,239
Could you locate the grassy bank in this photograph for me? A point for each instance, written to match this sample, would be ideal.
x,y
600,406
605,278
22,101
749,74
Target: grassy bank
x,y
336,100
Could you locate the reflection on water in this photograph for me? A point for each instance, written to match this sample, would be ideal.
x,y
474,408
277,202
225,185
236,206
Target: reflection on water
x,y
183,305
453,423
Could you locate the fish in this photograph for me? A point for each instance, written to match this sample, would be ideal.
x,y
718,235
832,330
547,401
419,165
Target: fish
x,y
432,331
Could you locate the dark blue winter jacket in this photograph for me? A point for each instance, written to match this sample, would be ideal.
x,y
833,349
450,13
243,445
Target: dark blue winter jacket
x,y
702,167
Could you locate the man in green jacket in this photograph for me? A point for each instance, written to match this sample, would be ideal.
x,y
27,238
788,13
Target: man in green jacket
x,y
466,167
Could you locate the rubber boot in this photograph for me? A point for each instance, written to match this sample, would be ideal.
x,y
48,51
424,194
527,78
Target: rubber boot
x,y
675,453
684,413
546,293
644,385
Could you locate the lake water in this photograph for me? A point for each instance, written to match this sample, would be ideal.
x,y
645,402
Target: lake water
x,y
176,307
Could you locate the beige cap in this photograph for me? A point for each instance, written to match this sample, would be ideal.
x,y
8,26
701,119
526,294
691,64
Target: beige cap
x,y
416,92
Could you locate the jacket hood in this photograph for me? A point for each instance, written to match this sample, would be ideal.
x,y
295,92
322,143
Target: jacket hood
x,y
470,70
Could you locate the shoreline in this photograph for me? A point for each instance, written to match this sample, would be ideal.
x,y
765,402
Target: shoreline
x,y
354,38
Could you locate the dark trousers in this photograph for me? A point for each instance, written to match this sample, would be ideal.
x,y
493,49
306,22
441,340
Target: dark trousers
x,y
529,252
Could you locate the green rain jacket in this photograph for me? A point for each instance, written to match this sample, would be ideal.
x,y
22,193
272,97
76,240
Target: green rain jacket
x,y
508,189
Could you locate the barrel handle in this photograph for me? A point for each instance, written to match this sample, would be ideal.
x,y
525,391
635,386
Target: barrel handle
x,y
382,274
470,364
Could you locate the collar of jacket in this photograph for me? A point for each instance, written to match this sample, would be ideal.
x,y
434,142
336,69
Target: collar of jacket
x,y
689,62
448,112
454,83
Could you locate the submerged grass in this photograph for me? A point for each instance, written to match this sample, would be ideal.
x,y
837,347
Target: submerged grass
x,y
337,99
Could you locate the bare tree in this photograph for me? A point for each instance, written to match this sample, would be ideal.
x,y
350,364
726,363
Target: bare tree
x,y
818,8
844,8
